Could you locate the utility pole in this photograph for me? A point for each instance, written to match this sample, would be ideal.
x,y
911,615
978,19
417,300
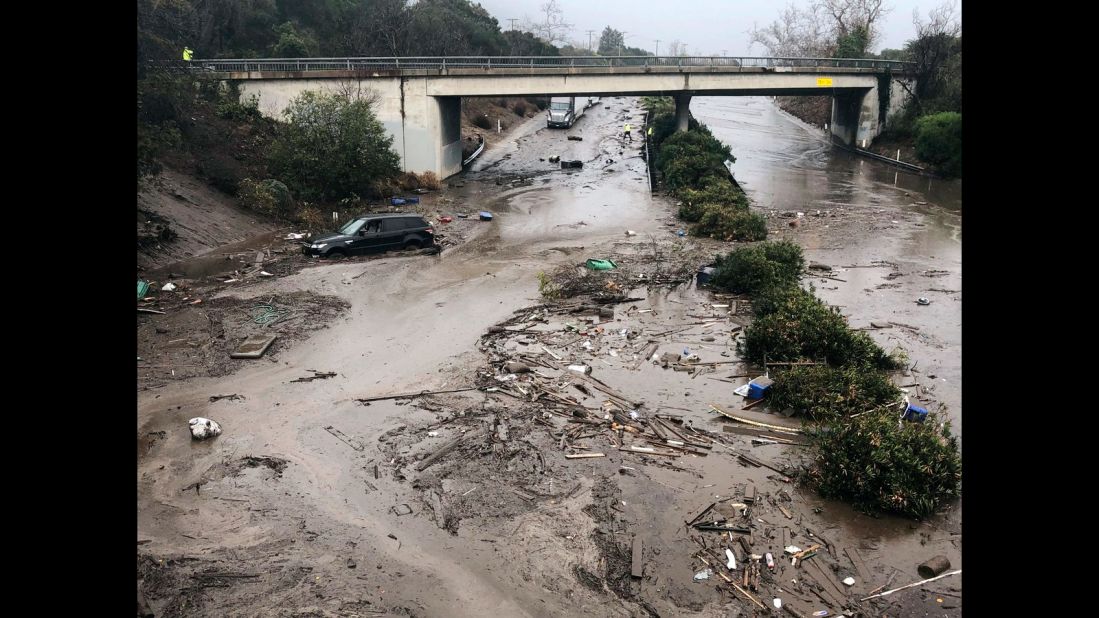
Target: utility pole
x,y
512,20
657,47
590,32
724,52
623,43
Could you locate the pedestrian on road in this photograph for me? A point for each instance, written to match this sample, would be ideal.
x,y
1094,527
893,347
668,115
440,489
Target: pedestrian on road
x,y
628,136
187,54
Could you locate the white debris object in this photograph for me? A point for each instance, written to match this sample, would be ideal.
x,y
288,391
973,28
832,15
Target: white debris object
x,y
850,581
202,428
732,560
703,575
792,549
778,603
168,287
264,273
432,434
294,236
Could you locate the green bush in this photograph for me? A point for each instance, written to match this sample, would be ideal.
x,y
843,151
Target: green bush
x,y
269,197
240,111
712,190
939,141
730,223
482,121
800,326
749,270
825,393
686,158
332,147
880,463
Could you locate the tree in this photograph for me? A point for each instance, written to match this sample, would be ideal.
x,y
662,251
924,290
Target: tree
x,y
797,33
677,48
552,29
611,42
854,23
293,44
937,51
332,147
376,28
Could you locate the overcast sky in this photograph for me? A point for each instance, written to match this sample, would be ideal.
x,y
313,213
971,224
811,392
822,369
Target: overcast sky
x,y
706,26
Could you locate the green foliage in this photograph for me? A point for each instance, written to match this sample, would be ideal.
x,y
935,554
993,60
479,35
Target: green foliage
x,y
825,393
332,147
293,44
482,122
750,270
799,326
882,464
547,288
657,106
710,190
939,141
164,101
611,42
852,44
686,158
245,111
725,222
269,197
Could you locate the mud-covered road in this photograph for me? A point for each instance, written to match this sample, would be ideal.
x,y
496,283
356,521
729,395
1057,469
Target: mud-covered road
x,y
311,504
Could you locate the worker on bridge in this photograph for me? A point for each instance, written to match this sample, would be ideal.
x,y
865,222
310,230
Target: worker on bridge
x,y
628,136
187,54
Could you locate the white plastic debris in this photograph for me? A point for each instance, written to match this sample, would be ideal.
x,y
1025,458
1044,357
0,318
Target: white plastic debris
x,y
778,602
432,434
586,345
703,575
850,581
168,287
294,236
742,391
631,233
792,549
732,560
264,273
202,428
613,352
584,369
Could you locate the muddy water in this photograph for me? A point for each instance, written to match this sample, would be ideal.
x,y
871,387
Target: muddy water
x,y
414,324
911,221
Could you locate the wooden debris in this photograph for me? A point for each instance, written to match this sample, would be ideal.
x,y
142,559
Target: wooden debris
x,y
418,394
449,446
342,437
637,564
584,455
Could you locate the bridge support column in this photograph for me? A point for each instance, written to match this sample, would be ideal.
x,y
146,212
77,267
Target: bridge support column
x,y
682,112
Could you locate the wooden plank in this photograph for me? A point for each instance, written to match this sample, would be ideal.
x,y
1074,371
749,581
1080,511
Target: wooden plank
x,y
584,455
748,421
637,563
449,446
815,568
860,566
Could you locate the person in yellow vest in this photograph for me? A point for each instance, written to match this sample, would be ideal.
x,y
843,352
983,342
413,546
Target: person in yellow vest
x,y
650,132
187,54
628,136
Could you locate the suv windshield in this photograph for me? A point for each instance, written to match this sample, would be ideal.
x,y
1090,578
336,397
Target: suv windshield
x,y
352,228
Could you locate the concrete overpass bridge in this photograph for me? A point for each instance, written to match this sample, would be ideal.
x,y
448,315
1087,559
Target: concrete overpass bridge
x,y
419,99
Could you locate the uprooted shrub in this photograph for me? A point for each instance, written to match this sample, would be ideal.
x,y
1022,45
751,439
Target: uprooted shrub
x,y
686,158
880,463
269,197
750,270
730,223
824,393
799,326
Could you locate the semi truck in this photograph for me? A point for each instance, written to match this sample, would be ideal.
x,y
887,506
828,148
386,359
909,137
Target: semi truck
x,y
563,112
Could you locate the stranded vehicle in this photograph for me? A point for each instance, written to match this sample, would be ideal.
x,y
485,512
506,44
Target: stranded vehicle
x,y
563,111
374,233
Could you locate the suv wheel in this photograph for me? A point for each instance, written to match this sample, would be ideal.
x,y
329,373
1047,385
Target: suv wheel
x,y
336,254
412,244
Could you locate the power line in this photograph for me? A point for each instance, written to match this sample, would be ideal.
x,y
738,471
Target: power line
x,y
590,32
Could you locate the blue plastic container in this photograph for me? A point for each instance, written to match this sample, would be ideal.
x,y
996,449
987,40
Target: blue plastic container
x,y
485,215
400,201
758,387
915,414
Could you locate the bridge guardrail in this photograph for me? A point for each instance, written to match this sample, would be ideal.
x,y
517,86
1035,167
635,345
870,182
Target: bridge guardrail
x,y
442,63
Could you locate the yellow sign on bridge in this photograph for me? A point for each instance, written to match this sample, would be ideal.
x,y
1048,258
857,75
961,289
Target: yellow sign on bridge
x,y
824,82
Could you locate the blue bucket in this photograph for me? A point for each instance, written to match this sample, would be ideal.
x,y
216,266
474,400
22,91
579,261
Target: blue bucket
x,y
915,414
